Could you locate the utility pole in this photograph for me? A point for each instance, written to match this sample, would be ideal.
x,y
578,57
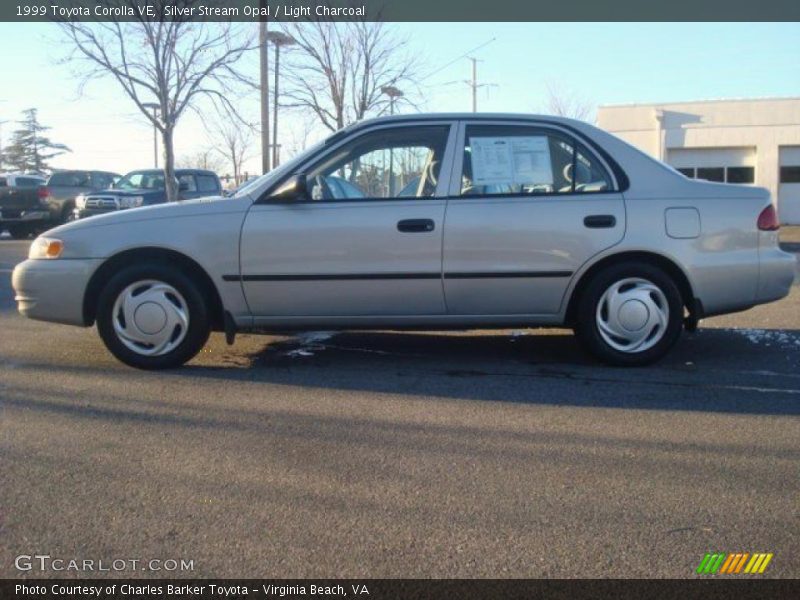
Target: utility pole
x,y
474,83
264,68
279,39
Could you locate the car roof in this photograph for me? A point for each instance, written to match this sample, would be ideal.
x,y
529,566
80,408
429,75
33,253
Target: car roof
x,y
463,116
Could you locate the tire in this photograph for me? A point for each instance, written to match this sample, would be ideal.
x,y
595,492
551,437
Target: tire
x,y
152,316
629,314
20,232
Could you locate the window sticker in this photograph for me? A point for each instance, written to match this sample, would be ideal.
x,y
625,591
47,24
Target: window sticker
x,y
511,160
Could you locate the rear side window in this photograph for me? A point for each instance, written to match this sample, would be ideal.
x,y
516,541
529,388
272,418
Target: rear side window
x,y
189,182
70,179
207,183
527,161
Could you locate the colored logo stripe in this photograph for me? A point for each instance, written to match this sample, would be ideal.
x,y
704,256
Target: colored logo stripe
x,y
733,563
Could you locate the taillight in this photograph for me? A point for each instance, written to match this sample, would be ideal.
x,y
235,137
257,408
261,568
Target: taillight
x,y
768,219
44,193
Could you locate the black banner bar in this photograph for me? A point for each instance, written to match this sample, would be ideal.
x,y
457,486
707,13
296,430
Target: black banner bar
x,y
739,588
399,10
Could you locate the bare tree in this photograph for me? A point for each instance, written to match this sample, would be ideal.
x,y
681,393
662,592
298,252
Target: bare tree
x,y
234,142
338,70
565,103
171,64
206,158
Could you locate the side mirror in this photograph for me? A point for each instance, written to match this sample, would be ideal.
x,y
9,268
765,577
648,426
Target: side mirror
x,y
293,189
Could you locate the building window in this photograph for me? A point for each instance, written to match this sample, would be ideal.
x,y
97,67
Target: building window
x,y
790,174
711,174
688,172
741,175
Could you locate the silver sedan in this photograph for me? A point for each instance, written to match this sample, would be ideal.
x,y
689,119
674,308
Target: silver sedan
x,y
424,222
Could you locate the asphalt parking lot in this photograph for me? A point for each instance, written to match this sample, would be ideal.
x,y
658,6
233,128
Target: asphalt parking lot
x,y
484,454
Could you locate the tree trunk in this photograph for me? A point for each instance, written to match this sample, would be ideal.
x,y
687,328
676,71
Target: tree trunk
x,y
170,182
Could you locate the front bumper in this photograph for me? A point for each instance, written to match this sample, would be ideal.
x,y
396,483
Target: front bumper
x,y
82,213
53,290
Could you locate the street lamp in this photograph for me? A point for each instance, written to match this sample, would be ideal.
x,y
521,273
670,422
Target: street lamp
x,y
393,93
154,106
279,39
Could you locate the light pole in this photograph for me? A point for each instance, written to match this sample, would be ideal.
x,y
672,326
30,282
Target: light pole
x,y
263,61
154,106
279,39
393,93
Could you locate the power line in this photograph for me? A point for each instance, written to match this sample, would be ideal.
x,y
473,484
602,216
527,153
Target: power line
x,y
455,60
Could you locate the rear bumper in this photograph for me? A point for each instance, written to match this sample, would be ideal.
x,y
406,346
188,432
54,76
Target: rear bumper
x,y
14,217
776,274
53,290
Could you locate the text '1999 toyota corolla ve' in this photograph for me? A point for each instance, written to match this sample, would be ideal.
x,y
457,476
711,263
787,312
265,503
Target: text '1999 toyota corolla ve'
x,y
423,222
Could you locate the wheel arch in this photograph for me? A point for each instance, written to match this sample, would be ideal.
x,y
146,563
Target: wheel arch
x,y
669,266
135,256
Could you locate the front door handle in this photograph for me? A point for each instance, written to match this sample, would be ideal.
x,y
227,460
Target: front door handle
x,y
416,225
600,221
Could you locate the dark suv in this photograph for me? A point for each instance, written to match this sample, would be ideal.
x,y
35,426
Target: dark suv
x,y
63,187
146,187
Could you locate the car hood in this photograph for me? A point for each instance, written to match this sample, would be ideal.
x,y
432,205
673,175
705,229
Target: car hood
x,y
172,210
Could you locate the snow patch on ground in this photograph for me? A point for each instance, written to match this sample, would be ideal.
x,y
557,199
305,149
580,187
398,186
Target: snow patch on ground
x,y
769,337
309,342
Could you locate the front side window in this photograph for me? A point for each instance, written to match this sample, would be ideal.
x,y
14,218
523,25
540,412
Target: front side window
x,y
389,163
527,161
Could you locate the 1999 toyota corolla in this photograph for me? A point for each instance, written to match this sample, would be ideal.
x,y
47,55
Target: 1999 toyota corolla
x,y
424,222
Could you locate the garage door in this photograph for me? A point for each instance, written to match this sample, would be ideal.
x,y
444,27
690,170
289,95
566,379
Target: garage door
x,y
789,185
731,165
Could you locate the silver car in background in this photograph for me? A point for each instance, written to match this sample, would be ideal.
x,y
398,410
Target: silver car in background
x,y
425,222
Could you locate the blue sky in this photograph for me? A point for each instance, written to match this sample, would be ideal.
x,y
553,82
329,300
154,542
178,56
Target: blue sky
x,y
603,63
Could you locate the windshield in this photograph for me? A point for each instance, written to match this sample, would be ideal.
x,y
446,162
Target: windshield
x,y
278,172
141,180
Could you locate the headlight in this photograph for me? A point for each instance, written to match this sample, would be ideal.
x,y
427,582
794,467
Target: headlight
x,y
43,247
80,201
130,201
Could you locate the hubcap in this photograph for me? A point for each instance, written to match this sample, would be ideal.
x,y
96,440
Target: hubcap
x,y
150,317
632,315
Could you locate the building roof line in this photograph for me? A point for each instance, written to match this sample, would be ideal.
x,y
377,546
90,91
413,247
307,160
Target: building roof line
x,y
702,101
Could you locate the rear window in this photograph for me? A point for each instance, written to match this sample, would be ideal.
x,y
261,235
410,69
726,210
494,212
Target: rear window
x,y
29,182
70,179
207,183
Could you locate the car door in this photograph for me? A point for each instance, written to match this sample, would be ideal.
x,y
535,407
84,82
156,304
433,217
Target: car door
x,y
364,253
529,204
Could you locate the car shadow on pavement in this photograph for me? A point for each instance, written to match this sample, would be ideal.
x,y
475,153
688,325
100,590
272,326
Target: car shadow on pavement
x,y
718,370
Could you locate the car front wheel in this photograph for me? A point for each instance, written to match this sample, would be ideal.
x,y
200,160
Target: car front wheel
x,y
152,317
630,314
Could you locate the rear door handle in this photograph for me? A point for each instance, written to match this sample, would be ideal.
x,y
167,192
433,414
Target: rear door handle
x,y
416,225
600,221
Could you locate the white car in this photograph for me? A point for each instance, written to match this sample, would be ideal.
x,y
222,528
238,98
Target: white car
x,y
440,221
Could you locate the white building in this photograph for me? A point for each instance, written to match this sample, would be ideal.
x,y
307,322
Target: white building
x,y
737,141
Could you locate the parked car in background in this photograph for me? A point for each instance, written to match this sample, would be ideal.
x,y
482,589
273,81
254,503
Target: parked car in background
x,y
515,221
22,208
63,187
145,188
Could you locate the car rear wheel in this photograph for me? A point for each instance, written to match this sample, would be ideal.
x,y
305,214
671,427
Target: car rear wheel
x,y
630,314
152,317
